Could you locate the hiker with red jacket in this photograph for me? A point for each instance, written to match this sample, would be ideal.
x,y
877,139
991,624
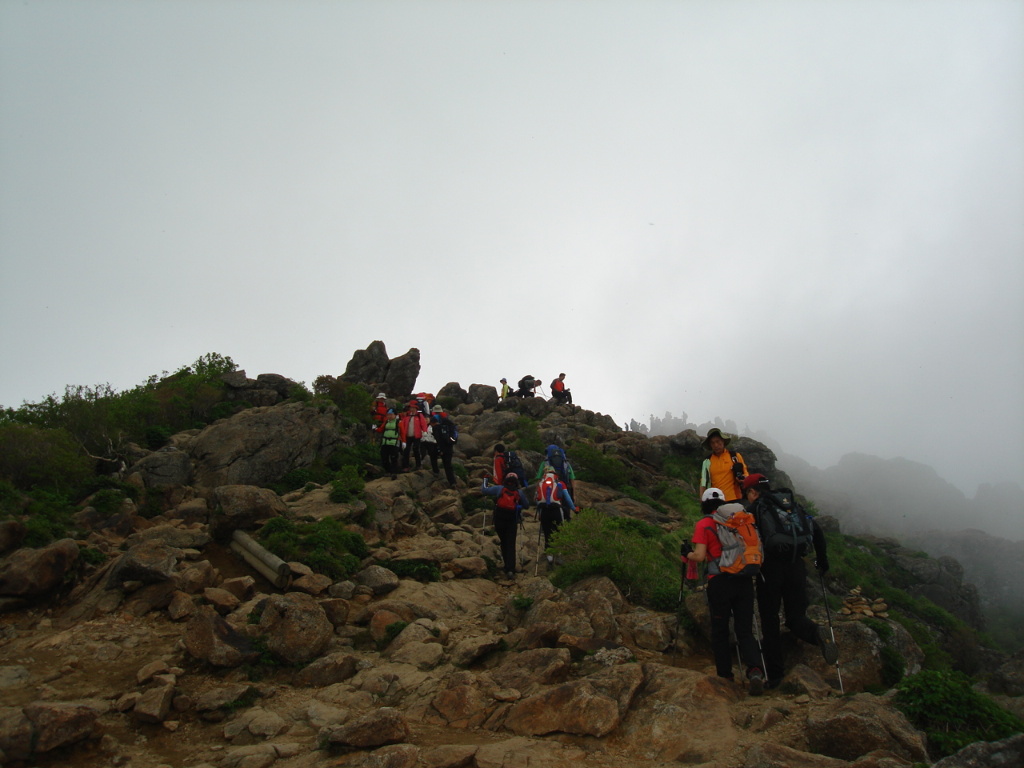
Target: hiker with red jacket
x,y
554,506
559,392
379,412
411,428
728,596
782,582
509,500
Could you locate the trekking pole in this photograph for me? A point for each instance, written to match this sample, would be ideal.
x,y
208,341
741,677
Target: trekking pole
x,y
831,629
757,633
540,530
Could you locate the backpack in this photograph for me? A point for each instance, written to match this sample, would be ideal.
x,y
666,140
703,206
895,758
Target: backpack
x,y
786,529
507,500
741,546
548,490
558,462
514,466
389,434
445,432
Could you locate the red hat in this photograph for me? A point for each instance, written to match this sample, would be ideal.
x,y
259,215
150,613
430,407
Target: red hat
x,y
753,480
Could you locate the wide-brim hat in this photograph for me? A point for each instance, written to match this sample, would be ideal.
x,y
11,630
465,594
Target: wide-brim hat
x,y
715,432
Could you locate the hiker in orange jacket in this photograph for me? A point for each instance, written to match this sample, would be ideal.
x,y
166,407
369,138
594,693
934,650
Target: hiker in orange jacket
x,y
559,392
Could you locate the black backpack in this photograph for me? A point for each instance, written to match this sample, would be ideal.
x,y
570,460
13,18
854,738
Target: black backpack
x,y
444,432
786,529
514,465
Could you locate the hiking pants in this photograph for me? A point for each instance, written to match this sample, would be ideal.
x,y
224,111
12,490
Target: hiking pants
x,y
563,398
446,462
430,451
551,516
732,596
389,458
412,445
783,583
506,524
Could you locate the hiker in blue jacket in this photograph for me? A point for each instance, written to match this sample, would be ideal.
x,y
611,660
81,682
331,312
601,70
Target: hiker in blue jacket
x,y
509,501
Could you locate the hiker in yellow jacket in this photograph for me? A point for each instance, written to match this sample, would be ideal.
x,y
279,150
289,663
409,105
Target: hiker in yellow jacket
x,y
722,469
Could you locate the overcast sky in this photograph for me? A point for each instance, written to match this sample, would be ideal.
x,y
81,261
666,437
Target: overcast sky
x,y
804,217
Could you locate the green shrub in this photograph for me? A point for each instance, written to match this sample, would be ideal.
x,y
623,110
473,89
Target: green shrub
x,y
346,486
522,602
593,466
325,546
92,556
638,557
951,713
354,401
449,403
36,457
527,436
421,570
48,518
460,471
393,630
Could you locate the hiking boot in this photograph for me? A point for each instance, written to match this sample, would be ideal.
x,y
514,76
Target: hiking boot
x,y
755,679
828,645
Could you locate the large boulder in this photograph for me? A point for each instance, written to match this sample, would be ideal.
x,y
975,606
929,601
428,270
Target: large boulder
x,y
242,506
372,368
34,572
402,374
852,727
260,445
296,627
166,468
210,638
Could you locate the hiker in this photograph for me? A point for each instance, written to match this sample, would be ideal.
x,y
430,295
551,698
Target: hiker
x,y
389,440
554,506
526,386
722,469
378,411
506,390
729,595
424,401
411,428
782,582
445,435
509,501
559,392
555,458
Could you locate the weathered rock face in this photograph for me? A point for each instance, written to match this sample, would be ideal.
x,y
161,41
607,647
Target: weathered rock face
x,y
34,572
987,754
242,506
296,627
166,468
210,638
395,377
859,725
261,445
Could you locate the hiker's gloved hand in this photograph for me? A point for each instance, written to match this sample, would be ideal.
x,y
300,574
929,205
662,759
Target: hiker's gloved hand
x,y
403,446
685,548
822,565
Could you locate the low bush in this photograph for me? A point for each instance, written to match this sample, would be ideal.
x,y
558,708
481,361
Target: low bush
x,y
420,570
325,546
592,466
951,713
640,558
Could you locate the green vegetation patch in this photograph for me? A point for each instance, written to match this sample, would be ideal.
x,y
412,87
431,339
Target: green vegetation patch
x,y
527,436
325,546
640,558
414,568
593,466
951,713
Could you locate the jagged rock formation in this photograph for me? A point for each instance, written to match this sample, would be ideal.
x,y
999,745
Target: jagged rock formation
x,y
146,653
395,377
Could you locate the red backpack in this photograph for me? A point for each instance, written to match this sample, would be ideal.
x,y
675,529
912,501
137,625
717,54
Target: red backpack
x,y
742,553
508,500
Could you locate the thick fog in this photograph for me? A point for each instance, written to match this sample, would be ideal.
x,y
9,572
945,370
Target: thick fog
x,y
805,218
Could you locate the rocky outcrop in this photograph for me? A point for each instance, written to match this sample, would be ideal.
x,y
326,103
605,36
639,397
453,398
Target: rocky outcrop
x,y
371,367
261,445
35,572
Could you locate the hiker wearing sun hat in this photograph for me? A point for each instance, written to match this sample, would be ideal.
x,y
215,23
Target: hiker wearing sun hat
x,y
722,469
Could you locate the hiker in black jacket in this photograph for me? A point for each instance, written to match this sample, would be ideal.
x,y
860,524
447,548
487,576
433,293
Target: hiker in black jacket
x,y
445,436
782,582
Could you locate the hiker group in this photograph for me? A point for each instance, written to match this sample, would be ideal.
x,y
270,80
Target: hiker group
x,y
423,427
551,491
753,540
528,386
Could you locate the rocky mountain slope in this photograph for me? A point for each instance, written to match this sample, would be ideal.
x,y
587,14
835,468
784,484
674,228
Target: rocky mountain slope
x,y
145,641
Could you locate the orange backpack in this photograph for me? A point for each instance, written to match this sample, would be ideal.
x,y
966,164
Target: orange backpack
x,y
742,553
